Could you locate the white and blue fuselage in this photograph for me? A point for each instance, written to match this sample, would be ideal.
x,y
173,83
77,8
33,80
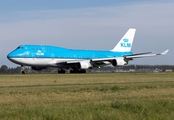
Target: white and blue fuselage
x,y
41,56
49,56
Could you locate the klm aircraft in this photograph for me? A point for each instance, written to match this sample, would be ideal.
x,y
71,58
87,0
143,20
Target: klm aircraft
x,y
40,56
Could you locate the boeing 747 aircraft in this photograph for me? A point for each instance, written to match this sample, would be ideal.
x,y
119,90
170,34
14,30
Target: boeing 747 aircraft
x,y
40,56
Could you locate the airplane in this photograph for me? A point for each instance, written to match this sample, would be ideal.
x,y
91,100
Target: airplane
x,y
78,61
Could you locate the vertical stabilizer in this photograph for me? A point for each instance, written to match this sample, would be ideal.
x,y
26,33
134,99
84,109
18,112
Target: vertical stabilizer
x,y
125,44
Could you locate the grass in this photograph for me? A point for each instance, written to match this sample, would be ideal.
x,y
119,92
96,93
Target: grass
x,y
72,79
122,102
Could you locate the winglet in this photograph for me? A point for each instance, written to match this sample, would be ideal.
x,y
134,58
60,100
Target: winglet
x,y
165,52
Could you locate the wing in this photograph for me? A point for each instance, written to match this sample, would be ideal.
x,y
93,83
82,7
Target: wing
x,y
130,57
142,55
103,61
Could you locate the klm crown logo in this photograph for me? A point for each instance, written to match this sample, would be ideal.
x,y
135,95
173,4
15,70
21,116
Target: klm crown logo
x,y
125,44
125,40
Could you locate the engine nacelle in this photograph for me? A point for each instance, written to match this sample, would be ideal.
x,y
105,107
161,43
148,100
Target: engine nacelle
x,y
119,62
83,65
38,68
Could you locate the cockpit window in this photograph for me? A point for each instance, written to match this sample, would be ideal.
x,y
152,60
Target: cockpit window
x,y
19,48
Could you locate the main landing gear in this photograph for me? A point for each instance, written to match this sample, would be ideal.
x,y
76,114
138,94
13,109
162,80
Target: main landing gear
x,y
61,71
23,70
77,71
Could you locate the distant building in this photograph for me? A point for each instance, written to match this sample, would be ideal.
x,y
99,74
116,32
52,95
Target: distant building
x,y
131,70
168,70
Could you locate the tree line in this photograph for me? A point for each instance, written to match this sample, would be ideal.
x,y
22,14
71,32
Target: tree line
x,y
17,70
7,70
150,67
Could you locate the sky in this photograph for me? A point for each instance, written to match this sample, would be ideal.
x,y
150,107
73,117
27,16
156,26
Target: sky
x,y
92,24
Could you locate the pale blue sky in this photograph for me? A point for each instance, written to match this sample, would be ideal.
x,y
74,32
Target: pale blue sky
x,y
92,24
28,5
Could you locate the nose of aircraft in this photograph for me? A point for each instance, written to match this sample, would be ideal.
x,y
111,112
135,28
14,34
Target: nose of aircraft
x,y
13,54
10,55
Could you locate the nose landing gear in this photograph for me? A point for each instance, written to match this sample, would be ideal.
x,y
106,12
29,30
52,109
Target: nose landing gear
x,y
23,70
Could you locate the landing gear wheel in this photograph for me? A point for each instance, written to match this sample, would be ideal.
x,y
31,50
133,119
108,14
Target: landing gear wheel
x,y
77,71
23,70
61,71
71,71
74,71
82,71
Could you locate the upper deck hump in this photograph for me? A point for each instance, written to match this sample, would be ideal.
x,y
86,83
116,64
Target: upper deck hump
x,y
43,47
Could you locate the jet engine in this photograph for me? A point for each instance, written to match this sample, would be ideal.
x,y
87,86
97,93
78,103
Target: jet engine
x,y
83,65
119,62
38,68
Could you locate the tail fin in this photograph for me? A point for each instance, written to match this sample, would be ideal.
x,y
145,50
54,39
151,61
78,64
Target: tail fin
x,y
125,44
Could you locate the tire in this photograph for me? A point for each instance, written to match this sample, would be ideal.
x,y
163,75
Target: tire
x,y
24,72
61,71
